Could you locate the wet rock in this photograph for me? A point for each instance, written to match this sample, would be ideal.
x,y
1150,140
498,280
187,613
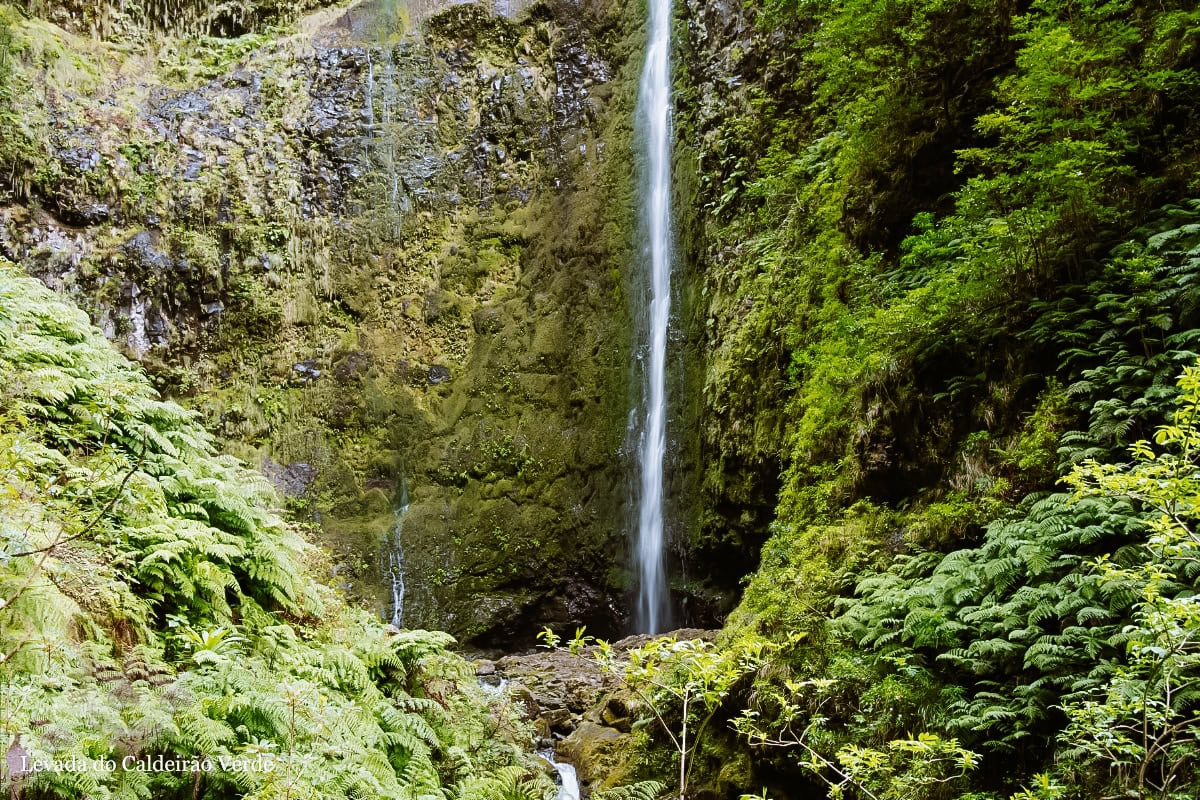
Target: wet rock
x,y
583,599
600,754
292,480
615,713
141,250
524,699
80,159
558,721
438,374
306,370
325,115
90,212
556,679
187,104
158,327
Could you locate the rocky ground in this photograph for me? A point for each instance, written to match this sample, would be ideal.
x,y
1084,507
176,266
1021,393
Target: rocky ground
x,y
581,711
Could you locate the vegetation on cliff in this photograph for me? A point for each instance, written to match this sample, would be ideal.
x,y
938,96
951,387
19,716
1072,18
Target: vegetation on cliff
x,y
374,255
947,256
155,610
941,311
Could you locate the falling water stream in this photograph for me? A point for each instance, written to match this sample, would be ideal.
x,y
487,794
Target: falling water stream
x,y
395,557
568,788
653,126
568,781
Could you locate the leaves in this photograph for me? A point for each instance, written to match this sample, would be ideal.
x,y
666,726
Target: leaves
x,y
1139,729
129,519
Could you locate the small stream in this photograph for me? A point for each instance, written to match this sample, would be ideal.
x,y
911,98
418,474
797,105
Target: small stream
x,y
568,780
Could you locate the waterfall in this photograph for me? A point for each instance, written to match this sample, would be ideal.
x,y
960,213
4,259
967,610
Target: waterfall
x,y
369,94
653,125
395,557
568,781
384,117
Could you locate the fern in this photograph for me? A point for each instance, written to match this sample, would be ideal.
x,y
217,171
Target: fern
x,y
1020,613
1141,320
645,790
161,529
509,783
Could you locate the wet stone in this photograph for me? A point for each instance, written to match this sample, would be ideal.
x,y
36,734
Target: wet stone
x,y
306,370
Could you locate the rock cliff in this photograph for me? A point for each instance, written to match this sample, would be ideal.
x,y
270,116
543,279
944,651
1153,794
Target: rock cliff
x,y
379,245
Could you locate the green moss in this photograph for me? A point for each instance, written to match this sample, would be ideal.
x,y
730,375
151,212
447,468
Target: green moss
x,y
187,61
480,345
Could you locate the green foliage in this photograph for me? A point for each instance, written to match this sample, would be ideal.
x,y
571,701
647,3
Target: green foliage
x,y
948,255
508,783
188,525
1015,624
928,180
794,715
18,154
1124,336
1139,733
680,685
154,606
905,769
643,790
1065,641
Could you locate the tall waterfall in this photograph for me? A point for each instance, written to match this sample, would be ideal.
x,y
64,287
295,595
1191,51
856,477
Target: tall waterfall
x,y
653,127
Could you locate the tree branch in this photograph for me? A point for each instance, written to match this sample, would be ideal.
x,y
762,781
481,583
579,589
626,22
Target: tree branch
x,y
100,515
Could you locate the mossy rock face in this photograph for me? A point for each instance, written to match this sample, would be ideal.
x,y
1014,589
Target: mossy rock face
x,y
600,754
374,256
124,19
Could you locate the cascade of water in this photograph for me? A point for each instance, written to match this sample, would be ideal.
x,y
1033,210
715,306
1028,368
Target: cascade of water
x,y
390,103
568,781
384,115
395,548
568,788
653,126
370,93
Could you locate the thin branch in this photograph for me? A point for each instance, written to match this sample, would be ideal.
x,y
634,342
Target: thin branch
x,y
100,515
620,676
43,553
